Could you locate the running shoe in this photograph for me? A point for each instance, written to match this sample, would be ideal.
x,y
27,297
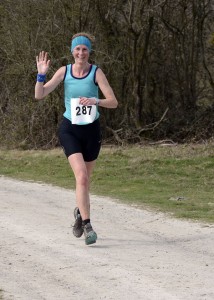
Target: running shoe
x,y
77,228
90,234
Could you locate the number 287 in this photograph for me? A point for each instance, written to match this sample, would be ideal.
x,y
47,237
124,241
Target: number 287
x,y
84,110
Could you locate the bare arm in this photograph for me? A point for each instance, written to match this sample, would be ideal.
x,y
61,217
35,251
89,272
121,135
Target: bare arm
x,y
110,100
43,64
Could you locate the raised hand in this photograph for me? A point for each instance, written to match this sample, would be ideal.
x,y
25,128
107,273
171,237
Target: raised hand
x,y
42,62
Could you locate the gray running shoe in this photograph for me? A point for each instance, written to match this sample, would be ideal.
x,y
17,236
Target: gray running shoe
x,y
77,228
90,234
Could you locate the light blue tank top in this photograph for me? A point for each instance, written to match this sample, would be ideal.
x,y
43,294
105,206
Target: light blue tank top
x,y
75,87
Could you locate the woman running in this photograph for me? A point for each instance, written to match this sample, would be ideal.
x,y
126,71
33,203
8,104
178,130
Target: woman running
x,y
79,132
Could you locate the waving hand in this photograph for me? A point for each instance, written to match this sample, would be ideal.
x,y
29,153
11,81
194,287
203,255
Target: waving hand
x,y
42,62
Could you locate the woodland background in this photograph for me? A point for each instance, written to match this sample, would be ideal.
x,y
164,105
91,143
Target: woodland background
x,y
157,55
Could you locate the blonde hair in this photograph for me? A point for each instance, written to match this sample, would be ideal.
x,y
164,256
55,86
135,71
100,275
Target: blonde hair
x,y
88,35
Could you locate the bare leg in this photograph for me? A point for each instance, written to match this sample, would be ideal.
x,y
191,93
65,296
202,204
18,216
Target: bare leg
x,y
82,172
90,167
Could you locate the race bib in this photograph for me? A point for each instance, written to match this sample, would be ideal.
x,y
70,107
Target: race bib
x,y
82,114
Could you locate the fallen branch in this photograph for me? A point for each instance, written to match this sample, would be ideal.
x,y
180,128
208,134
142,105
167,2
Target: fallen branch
x,y
164,143
116,136
154,125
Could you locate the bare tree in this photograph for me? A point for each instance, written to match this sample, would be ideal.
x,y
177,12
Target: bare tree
x,y
157,54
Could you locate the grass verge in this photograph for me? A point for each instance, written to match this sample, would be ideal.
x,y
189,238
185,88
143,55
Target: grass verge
x,y
178,180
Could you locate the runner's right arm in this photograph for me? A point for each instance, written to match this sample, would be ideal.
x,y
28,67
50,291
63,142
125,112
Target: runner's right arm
x,y
41,90
43,64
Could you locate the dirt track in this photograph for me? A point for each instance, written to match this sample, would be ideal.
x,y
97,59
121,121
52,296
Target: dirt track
x,y
138,255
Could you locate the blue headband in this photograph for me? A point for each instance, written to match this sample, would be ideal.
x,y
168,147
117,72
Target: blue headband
x,y
81,40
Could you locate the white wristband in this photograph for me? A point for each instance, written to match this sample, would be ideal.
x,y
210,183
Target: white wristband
x,y
97,101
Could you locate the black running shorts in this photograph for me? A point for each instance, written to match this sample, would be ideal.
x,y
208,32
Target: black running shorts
x,y
85,139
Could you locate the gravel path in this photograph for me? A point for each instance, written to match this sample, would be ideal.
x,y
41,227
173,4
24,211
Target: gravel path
x,y
138,254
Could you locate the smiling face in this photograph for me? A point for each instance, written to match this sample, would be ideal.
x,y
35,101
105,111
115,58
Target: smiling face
x,y
81,54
